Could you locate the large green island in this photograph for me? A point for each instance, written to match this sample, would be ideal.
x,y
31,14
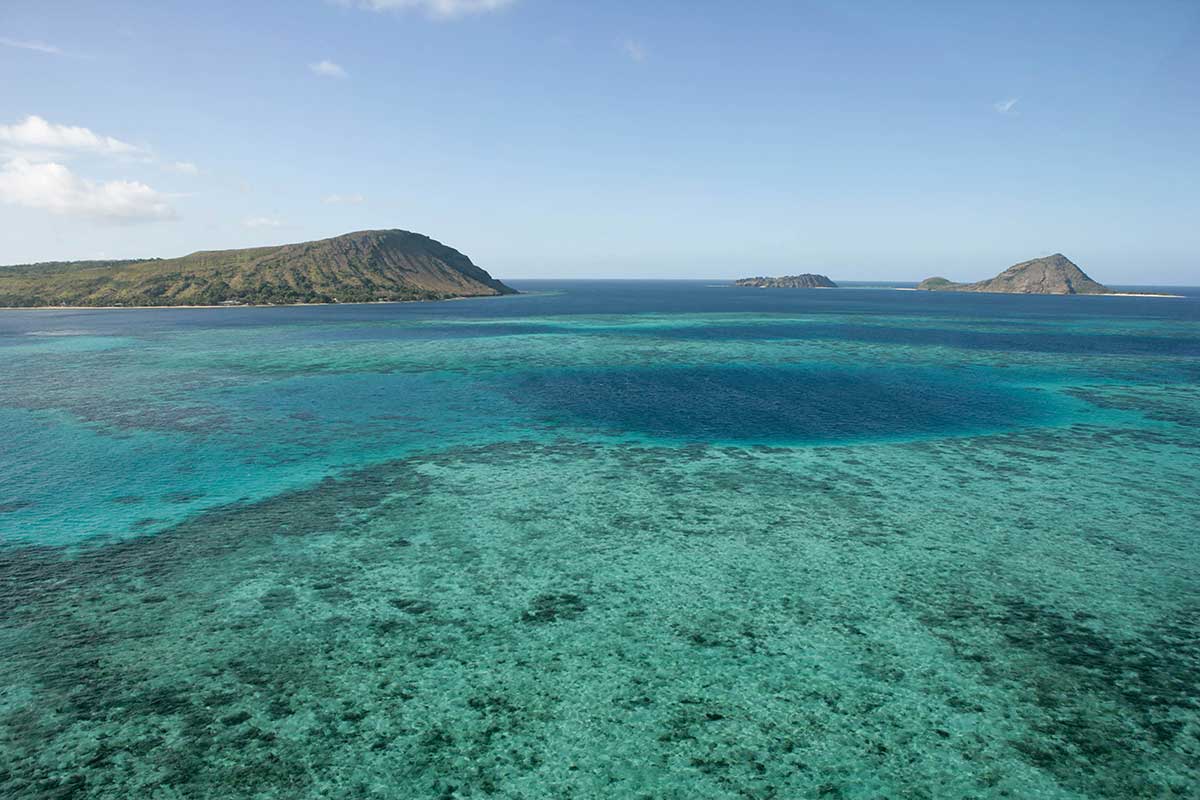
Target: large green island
x,y
366,266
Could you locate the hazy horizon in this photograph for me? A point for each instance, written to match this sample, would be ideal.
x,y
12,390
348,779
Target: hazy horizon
x,y
552,140
965,275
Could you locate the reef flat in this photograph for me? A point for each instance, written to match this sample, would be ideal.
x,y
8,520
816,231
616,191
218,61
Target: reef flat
x,y
539,548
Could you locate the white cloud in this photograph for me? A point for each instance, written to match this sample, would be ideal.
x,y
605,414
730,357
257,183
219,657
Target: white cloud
x,y
39,47
1006,106
35,133
634,49
344,199
263,222
327,69
438,9
52,187
185,168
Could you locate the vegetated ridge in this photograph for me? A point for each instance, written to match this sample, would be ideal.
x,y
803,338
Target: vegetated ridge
x,y
366,266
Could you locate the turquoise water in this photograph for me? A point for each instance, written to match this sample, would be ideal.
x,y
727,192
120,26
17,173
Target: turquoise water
x,y
613,539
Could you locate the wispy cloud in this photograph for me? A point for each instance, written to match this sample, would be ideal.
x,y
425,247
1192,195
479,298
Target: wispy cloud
x,y
437,9
343,199
635,50
184,167
55,188
1008,106
37,47
263,222
328,69
36,134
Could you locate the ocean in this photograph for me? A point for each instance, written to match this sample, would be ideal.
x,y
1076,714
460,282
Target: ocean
x,y
604,539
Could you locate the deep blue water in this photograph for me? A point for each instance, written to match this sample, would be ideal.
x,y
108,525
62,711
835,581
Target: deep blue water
x,y
780,404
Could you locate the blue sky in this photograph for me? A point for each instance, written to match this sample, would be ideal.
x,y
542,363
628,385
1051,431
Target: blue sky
x,y
550,138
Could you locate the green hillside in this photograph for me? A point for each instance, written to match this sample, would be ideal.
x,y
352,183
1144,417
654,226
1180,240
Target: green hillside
x,y
356,267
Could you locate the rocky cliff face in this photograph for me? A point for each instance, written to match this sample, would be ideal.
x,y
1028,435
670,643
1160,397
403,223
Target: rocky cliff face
x,y
356,267
805,281
1054,274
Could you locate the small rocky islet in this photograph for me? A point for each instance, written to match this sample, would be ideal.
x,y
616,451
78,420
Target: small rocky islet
x,y
807,280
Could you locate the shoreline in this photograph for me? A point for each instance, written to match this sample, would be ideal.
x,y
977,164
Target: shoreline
x,y
255,305
516,294
1141,294
1040,294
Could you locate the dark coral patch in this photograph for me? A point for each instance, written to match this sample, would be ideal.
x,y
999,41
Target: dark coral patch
x,y
553,607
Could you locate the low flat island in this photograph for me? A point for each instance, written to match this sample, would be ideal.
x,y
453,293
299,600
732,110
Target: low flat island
x,y
807,280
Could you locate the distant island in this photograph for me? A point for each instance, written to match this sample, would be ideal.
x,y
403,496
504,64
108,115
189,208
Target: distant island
x,y
805,281
366,266
1054,274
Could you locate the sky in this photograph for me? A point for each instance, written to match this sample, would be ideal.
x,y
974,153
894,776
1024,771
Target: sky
x,y
562,138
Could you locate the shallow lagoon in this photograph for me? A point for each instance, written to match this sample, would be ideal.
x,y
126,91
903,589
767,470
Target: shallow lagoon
x,y
605,540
